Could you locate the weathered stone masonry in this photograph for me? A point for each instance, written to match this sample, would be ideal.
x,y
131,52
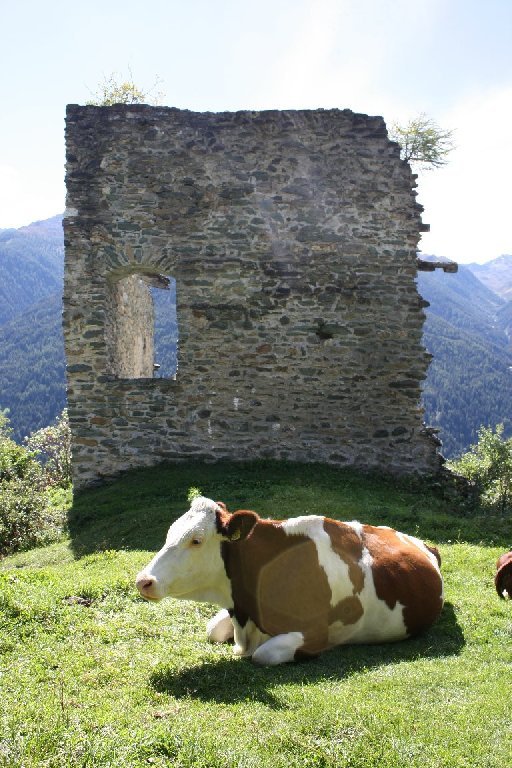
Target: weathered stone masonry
x,y
292,237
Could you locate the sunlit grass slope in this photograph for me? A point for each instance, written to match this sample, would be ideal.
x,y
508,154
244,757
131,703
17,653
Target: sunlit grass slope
x,y
93,676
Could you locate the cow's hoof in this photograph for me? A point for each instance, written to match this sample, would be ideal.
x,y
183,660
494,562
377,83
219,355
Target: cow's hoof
x,y
239,650
278,649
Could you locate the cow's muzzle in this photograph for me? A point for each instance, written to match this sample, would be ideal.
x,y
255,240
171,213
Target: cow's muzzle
x,y
147,586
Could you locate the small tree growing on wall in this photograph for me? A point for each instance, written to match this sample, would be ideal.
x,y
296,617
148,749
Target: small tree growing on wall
x,y
423,143
116,89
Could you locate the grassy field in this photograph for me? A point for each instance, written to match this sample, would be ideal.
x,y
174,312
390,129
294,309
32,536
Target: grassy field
x,y
91,675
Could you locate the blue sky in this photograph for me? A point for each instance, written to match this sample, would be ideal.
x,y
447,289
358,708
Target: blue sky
x,y
451,59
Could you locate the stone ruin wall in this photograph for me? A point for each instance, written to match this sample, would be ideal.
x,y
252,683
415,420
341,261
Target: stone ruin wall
x,y
292,237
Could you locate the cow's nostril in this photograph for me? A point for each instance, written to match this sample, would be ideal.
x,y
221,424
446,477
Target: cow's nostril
x,y
144,583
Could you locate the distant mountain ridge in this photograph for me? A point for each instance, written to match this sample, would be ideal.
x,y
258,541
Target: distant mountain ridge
x,y
496,275
467,329
463,299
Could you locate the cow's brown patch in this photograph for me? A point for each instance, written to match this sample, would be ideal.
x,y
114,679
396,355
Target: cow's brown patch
x,y
277,581
348,611
349,547
403,574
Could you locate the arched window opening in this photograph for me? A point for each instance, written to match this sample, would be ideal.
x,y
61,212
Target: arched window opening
x,y
142,331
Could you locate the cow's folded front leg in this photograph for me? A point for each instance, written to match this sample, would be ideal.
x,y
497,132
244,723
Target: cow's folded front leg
x,y
247,638
220,628
279,649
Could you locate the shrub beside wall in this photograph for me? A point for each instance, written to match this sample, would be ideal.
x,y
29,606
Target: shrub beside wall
x,y
29,515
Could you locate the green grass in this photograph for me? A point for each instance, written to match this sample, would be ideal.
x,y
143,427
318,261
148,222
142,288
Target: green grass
x,y
91,675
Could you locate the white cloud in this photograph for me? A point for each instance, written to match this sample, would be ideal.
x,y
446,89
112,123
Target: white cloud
x,y
468,203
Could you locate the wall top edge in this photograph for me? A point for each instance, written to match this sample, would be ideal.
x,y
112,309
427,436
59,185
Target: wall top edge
x,y
126,109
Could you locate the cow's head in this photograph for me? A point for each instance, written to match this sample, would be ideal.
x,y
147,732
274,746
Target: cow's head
x,y
190,563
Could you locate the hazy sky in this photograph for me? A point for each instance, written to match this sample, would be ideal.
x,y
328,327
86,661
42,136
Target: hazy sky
x,y
451,59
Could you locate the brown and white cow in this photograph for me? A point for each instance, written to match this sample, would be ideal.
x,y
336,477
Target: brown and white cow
x,y
503,578
296,587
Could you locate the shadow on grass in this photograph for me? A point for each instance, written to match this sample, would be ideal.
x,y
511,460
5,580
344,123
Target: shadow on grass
x,y
233,680
134,511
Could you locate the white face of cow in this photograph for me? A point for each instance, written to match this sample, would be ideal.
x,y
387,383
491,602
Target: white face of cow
x,y
190,564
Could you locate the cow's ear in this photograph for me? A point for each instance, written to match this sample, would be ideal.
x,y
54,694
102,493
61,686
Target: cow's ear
x,y
222,517
241,524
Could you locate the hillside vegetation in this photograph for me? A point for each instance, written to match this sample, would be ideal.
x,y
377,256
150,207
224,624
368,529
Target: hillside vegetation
x,y
32,383
469,382
93,676
31,265
32,366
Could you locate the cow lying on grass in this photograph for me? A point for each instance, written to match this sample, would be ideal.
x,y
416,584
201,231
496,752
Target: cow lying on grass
x,y
503,579
290,589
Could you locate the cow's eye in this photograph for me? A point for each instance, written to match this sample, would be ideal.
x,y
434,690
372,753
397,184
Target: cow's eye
x,y
195,542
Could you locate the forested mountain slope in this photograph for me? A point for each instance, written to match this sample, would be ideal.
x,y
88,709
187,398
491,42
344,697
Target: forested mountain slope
x,y
31,265
31,347
469,381
32,372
